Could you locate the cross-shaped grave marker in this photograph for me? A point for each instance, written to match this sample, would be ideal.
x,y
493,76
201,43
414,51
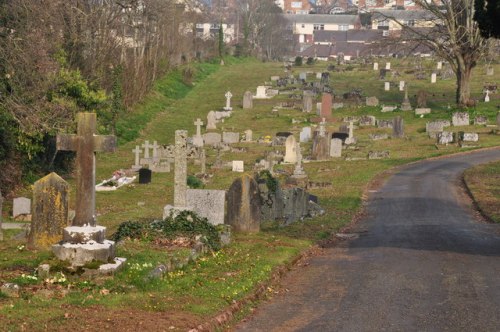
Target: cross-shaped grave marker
x,y
137,152
155,147
146,147
86,143
198,123
228,96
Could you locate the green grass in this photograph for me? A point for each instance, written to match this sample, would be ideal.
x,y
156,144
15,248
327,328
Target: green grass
x,y
483,182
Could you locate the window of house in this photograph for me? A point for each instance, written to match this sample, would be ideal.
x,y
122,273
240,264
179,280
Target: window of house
x,y
319,27
410,23
303,25
343,27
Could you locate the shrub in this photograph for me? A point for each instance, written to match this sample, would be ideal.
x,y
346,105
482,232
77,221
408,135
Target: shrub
x,y
298,61
310,61
193,182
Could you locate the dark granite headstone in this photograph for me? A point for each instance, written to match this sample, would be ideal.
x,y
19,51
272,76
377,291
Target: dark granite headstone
x,y
398,127
145,176
342,136
243,205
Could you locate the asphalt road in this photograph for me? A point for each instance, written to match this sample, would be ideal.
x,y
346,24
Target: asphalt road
x,y
421,261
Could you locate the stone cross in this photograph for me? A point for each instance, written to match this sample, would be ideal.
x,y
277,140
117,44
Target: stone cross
x,y
180,168
137,152
351,129
155,147
198,123
322,130
86,143
146,147
228,96
487,97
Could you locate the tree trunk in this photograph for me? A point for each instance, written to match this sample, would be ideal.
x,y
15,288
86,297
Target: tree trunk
x,y
463,85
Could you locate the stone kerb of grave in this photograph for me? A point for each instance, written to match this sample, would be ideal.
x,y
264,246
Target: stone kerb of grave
x,y
84,241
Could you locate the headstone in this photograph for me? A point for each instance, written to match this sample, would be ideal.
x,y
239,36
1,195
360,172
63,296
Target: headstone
x,y
50,211
238,166
336,148
318,75
388,109
137,151
487,96
322,128
145,176
481,120
198,139
21,206
230,137
439,65
305,134
321,147
375,66
387,86
303,76
421,99
228,96
180,168
212,138
211,121
445,137
351,139
433,78
261,92
435,127
275,78
388,66
422,111
290,150
460,119
203,162
155,148
406,105
384,124
398,127
146,147
247,100
248,135
84,241
244,205
318,108
308,104
498,119
367,120
378,137
371,101
298,172
470,137
326,105
207,204
490,71
401,85
378,155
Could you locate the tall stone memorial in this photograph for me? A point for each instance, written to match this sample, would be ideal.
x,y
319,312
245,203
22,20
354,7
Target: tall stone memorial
x,y
326,106
398,127
49,211
248,100
244,205
84,241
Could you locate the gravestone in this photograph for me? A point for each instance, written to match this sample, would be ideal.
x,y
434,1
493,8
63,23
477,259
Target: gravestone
x,y
498,119
21,206
308,104
336,148
378,155
433,78
398,127
445,137
207,204
384,124
421,99
422,111
337,105
302,76
326,105
155,147
146,147
203,161
247,100
238,166
318,108
490,71
318,75
212,138
50,211
439,65
469,137
434,127
321,147
481,120
367,120
248,135
371,101
387,66
290,150
487,96
180,168
401,85
460,119
84,241
198,139
275,78
350,139
145,176
298,172
375,66
406,105
137,151
211,121
387,109
244,205
230,137
1,205
261,92
305,134
387,86
228,96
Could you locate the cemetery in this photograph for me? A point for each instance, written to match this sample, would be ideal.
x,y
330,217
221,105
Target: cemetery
x,y
223,187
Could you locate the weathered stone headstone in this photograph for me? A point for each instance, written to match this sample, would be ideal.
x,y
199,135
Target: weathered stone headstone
x,y
247,100
398,127
248,135
145,176
490,71
387,86
261,92
422,111
180,168
211,121
387,109
371,101
230,137
445,137
421,99
244,205
481,120
351,139
336,148
439,65
401,85
50,211
305,134
290,150
375,66
388,66
137,151
212,138
435,127
84,241
238,166
470,137
21,206
384,124
1,205
303,76
207,204
308,104
146,147
460,119
406,105
433,78
228,96
298,172
321,147
198,139
367,120
326,105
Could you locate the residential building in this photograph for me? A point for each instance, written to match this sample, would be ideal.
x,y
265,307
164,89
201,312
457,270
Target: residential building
x,y
211,31
300,7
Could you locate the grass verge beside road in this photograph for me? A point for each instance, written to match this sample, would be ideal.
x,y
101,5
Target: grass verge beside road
x,y
483,182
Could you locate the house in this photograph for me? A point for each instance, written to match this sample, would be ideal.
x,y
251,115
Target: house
x,y
211,31
296,6
350,36
390,20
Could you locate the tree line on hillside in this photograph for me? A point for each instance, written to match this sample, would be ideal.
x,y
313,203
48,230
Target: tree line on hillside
x,y
59,57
